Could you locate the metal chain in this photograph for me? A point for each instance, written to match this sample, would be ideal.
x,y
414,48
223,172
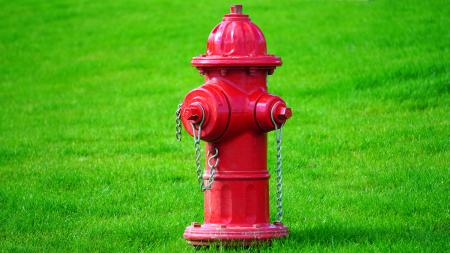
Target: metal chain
x,y
178,123
212,167
197,133
197,158
279,168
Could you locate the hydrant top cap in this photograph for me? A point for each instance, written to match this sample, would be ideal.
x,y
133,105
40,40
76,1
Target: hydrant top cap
x,y
236,9
236,41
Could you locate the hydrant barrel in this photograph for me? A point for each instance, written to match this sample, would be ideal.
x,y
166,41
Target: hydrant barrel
x,y
233,112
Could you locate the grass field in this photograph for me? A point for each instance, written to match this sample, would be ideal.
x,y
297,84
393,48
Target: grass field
x,y
88,158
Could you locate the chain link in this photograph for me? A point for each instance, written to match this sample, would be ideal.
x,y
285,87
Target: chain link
x,y
178,123
197,156
279,167
197,134
212,167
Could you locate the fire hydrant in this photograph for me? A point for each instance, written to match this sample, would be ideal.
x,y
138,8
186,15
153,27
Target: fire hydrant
x,y
232,112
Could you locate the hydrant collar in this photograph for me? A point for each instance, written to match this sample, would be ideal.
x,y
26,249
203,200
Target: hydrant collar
x,y
236,61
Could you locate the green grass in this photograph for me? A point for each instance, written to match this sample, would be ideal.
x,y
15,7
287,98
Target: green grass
x,y
88,158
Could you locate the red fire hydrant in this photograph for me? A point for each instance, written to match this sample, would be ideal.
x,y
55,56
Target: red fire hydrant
x,y
232,112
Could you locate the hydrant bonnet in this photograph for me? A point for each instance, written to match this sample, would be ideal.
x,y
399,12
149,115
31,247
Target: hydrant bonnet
x,y
236,41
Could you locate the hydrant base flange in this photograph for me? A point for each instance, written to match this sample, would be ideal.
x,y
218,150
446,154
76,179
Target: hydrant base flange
x,y
208,234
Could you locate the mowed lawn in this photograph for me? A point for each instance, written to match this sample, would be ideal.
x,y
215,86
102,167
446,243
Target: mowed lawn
x,y
88,90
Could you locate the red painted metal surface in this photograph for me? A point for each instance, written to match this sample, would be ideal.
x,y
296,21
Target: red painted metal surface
x,y
236,120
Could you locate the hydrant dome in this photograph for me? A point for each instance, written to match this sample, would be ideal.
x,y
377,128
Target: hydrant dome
x,y
236,41
231,38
